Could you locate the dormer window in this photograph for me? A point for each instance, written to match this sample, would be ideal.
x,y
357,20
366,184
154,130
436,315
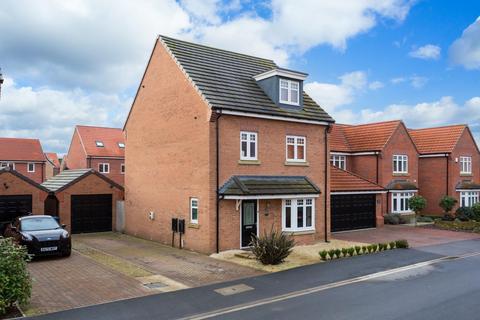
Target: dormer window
x,y
99,144
121,145
289,92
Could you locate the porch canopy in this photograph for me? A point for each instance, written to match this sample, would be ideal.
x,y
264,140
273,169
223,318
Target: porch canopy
x,y
402,186
268,187
467,185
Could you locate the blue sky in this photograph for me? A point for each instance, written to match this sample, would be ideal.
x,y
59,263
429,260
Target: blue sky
x,y
80,61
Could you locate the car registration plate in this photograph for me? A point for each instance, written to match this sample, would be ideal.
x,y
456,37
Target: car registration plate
x,y
47,249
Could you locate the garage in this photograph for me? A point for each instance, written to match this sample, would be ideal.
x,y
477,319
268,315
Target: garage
x,y
355,203
86,200
91,213
13,206
353,211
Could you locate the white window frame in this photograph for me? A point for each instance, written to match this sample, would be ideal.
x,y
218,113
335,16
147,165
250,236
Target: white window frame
x,y
339,161
290,91
465,165
6,164
293,204
469,198
105,165
122,168
249,140
33,167
401,198
402,163
192,206
295,145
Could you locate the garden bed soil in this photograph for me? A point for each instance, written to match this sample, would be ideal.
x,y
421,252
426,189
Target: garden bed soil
x,y
459,226
12,312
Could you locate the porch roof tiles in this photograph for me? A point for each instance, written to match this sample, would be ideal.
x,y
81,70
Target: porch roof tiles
x,y
268,185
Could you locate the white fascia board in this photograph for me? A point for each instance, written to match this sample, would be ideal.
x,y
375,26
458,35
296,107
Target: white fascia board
x,y
276,196
467,190
402,191
433,155
333,193
281,73
369,153
263,116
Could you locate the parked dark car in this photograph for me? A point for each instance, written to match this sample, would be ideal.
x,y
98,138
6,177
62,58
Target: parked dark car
x,y
41,234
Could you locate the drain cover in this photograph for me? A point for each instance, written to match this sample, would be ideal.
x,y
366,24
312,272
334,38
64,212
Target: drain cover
x,y
228,291
154,285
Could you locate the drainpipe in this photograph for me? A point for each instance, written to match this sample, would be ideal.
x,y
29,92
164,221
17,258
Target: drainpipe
x,y
447,180
327,160
378,154
217,169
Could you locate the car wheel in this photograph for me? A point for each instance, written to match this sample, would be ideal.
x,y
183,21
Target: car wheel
x,y
67,253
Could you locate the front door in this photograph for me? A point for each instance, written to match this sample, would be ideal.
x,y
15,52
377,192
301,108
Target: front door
x,y
249,221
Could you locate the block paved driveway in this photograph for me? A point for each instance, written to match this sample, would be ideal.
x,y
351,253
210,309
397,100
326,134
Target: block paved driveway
x,y
109,266
416,236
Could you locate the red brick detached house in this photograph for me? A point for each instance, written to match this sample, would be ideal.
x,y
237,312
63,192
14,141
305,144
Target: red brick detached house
x,y
449,165
383,153
99,148
25,156
52,165
228,142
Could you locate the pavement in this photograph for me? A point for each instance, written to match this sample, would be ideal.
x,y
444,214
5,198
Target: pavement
x,y
416,236
421,289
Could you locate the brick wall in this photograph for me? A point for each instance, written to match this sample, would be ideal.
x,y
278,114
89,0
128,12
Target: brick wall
x,y
17,186
115,173
76,157
38,176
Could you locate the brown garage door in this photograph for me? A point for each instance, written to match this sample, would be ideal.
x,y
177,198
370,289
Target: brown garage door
x,y
91,213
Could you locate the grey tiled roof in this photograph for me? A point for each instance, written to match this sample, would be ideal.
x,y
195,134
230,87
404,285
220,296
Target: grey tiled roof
x,y
225,79
401,185
468,185
268,185
64,178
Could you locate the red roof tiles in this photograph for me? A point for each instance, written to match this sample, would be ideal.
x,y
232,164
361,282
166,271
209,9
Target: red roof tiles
x,y
364,137
52,156
21,149
110,137
437,140
342,180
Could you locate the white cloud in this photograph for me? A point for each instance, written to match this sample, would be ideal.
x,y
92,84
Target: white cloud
x,y
51,115
415,81
465,50
375,85
427,52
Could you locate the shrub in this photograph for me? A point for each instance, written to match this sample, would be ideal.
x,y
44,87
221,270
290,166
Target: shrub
x,y
370,248
351,251
323,254
374,247
424,219
345,251
476,211
15,282
403,219
417,204
448,217
392,245
391,218
383,246
272,248
364,249
331,254
401,244
338,253
358,250
464,213
447,203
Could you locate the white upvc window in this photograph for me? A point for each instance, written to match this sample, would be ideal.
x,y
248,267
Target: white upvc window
x,y
339,161
122,168
296,148
7,164
104,167
193,210
298,214
248,145
465,165
400,164
289,92
468,198
30,167
400,202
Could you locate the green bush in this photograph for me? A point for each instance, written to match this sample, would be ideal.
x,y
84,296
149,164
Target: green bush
x,y
369,248
401,244
392,245
374,247
391,218
364,249
272,248
424,219
323,254
15,281
351,252
358,250
345,251
447,203
476,211
338,253
464,214
383,246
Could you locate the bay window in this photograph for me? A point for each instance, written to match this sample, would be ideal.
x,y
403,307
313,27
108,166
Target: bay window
x,y
468,198
400,202
298,214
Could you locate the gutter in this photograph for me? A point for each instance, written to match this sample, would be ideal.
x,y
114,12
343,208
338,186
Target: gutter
x,y
217,169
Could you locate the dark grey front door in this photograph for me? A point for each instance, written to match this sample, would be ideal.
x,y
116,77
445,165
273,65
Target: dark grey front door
x,y
249,221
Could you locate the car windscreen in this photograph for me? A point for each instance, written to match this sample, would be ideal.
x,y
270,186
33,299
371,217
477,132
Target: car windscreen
x,y
35,224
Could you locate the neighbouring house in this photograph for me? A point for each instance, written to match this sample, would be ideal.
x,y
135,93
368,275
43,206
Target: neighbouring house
x,y
228,143
356,203
19,195
25,156
84,200
99,148
52,165
383,153
449,165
